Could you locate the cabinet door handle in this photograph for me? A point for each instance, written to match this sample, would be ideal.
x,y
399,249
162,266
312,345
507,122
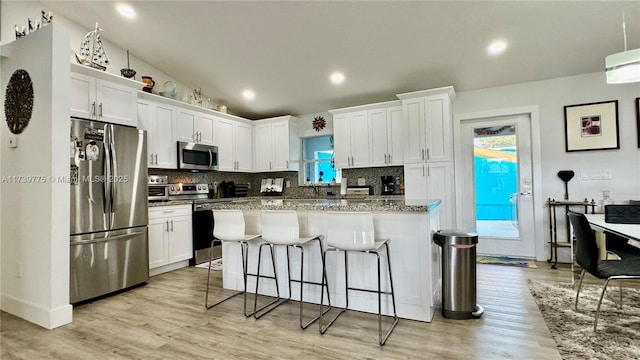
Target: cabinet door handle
x,y
100,110
287,164
172,225
270,165
151,159
200,136
422,170
428,171
93,108
385,159
422,154
428,155
167,222
389,159
156,155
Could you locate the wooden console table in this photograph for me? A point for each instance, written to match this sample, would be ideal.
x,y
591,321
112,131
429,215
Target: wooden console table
x,y
553,204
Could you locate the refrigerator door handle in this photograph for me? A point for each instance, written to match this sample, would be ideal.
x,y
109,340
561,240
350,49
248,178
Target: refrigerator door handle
x,y
114,170
103,239
106,170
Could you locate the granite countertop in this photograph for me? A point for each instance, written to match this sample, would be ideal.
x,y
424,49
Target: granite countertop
x,y
370,203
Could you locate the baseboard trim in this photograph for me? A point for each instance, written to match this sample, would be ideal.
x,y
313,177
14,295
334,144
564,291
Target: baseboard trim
x,y
39,315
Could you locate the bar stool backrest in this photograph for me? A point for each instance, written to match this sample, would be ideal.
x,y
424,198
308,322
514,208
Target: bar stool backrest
x,y
228,225
280,227
350,230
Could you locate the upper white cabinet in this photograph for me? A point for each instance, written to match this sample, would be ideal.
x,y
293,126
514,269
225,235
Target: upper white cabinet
x,y
103,97
158,119
427,124
235,145
277,144
368,135
195,127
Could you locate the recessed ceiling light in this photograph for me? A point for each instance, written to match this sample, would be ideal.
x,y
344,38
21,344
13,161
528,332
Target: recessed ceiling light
x,y
337,78
497,47
249,94
126,11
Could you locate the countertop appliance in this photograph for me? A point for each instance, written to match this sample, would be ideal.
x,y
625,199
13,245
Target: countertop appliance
x,y
388,186
158,188
108,227
192,156
271,187
188,191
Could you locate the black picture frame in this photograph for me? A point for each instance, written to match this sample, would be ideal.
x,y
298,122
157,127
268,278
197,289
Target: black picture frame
x,y
592,126
638,120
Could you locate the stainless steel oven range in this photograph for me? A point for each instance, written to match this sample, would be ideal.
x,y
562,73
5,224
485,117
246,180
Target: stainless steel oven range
x,y
202,220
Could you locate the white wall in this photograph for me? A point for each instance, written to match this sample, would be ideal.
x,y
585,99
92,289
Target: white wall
x,y
35,215
550,97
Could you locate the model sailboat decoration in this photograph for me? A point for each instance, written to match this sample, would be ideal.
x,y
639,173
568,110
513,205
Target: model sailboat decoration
x,y
92,51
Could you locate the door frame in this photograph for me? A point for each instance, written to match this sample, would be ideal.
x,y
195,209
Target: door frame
x,y
533,112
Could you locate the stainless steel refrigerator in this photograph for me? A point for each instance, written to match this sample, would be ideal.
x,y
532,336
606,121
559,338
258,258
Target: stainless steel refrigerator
x,y
108,180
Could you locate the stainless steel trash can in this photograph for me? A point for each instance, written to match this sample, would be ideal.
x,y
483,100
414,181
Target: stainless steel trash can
x,y
458,273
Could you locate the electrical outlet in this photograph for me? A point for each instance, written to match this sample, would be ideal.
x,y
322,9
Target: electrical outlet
x,y
13,142
584,174
288,183
606,174
248,185
362,181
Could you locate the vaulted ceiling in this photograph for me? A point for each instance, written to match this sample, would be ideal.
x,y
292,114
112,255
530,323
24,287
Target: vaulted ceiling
x,y
286,50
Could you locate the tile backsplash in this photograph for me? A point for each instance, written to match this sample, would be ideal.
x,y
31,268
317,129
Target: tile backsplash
x,y
371,176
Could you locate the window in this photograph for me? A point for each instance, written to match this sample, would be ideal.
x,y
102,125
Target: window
x,y
317,160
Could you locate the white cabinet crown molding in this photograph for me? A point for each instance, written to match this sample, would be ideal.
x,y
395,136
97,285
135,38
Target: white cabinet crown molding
x,y
449,90
373,106
85,70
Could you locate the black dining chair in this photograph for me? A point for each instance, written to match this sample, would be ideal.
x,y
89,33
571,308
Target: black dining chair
x,y
587,256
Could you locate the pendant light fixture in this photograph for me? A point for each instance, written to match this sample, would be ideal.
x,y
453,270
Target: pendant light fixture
x,y
623,67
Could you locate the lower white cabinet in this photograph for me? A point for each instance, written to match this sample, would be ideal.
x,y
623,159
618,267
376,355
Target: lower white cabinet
x,y
170,238
432,181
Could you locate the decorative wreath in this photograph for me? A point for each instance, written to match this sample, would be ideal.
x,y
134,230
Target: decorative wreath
x,y
318,123
18,102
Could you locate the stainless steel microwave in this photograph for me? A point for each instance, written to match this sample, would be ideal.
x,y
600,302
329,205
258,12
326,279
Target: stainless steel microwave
x,y
192,156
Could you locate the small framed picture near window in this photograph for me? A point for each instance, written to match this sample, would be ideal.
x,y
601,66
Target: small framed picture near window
x,y
591,126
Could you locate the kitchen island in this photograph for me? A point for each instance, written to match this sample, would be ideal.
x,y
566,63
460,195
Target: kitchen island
x,y
415,259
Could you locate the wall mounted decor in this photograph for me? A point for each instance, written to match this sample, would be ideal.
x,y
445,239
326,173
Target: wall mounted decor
x,y
318,123
638,119
591,126
18,101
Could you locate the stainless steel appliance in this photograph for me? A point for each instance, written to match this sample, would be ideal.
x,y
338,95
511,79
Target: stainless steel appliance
x,y
108,180
158,188
192,156
202,219
388,186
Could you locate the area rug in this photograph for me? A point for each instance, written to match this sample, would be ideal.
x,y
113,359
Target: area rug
x,y
618,334
506,260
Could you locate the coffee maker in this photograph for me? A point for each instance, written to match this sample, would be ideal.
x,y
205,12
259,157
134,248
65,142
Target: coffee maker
x,y
388,187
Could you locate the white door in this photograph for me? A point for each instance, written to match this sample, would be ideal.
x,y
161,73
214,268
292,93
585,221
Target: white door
x,y
496,157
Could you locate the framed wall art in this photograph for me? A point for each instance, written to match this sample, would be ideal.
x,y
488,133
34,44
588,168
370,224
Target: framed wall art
x,y
591,126
638,119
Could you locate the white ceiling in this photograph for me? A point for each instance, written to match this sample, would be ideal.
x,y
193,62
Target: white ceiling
x,y
285,51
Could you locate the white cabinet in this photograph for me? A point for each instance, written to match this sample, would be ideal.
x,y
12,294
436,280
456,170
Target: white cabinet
x,y
428,149
158,120
170,238
385,136
368,135
195,127
102,100
235,145
351,148
277,145
427,124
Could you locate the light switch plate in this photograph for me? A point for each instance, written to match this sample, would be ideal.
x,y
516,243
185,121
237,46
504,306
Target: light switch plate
x,y
13,142
584,174
362,182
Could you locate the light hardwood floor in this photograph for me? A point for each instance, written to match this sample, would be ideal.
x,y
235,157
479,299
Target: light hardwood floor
x,y
166,319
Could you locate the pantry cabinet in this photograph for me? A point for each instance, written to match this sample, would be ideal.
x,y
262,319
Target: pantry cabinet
x,y
170,238
277,145
428,149
98,96
235,145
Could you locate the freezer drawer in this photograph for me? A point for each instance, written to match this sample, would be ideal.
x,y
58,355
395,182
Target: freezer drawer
x,y
106,262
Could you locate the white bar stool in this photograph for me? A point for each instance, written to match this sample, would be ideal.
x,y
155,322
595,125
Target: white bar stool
x,y
281,228
229,226
354,232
